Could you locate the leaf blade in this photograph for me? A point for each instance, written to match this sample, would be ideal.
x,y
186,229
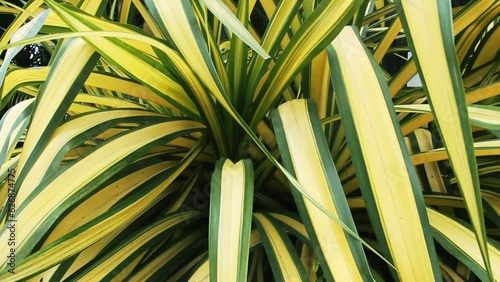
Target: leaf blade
x,y
305,153
378,152
430,23
230,220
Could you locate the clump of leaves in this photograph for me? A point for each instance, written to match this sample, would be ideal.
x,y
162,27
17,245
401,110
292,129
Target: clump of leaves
x,y
197,146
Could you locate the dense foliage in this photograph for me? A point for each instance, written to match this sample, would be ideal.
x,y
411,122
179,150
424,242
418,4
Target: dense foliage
x,y
252,140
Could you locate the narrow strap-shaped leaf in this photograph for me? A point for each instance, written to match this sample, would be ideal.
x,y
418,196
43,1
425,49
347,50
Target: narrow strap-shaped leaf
x,y
132,248
295,225
126,86
470,13
122,185
69,71
9,10
134,179
85,26
28,30
483,148
492,205
464,18
177,19
472,96
12,126
314,35
86,173
428,26
318,82
134,57
487,117
212,29
28,10
108,101
237,59
466,43
75,131
7,168
386,42
17,77
86,235
430,174
225,15
382,162
284,260
186,190
271,40
184,273
305,152
486,51
163,265
202,272
460,241
230,220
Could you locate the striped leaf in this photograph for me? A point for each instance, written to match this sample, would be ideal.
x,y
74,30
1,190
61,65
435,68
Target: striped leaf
x,y
161,266
104,164
176,19
16,78
63,83
295,225
487,117
82,177
272,38
231,203
284,260
314,35
112,220
130,56
381,160
24,14
202,270
28,30
222,12
133,249
429,30
429,173
134,180
12,126
484,148
305,153
131,180
461,241
72,133
237,69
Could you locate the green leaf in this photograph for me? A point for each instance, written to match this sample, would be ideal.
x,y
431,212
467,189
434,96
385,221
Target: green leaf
x,y
305,153
222,12
231,203
111,221
283,257
134,57
71,68
428,26
116,263
382,163
317,31
460,241
28,30
12,126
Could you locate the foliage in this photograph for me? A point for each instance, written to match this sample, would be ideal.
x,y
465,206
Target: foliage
x,y
208,140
